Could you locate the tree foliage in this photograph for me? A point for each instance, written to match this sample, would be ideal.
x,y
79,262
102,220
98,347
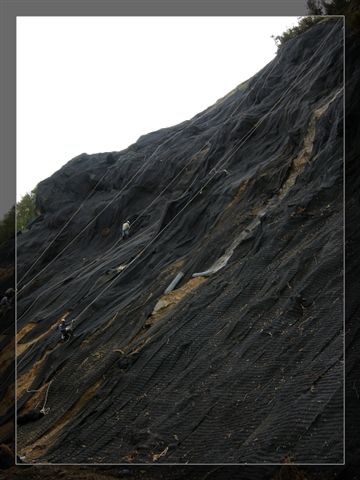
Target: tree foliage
x,y
317,9
304,24
328,7
349,8
26,210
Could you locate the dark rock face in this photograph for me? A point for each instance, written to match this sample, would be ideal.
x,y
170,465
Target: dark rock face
x,y
28,417
6,457
241,364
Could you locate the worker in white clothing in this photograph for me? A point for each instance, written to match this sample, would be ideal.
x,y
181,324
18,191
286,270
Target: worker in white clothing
x,y
126,229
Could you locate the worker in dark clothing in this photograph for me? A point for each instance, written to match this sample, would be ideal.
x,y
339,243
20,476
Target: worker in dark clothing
x,y
126,229
65,330
8,297
4,301
10,292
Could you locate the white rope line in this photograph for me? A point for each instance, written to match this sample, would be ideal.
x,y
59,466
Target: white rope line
x,y
63,227
78,235
140,170
141,215
111,249
262,119
106,253
251,131
235,149
77,274
242,140
116,242
44,410
81,205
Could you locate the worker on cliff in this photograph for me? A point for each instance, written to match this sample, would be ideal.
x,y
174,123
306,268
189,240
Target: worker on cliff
x,y
125,229
8,297
4,301
10,293
65,330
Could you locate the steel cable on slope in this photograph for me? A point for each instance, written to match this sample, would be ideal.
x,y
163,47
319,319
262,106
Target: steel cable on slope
x,y
262,119
112,248
234,149
223,163
140,170
237,107
231,152
92,191
70,276
252,130
64,226
266,75
243,139
209,140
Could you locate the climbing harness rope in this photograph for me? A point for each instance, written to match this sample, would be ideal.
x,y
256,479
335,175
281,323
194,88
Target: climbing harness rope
x,y
45,410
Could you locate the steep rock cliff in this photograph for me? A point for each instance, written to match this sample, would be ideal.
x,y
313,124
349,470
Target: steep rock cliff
x,y
243,361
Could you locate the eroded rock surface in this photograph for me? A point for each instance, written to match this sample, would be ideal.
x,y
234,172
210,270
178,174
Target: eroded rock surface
x,y
247,366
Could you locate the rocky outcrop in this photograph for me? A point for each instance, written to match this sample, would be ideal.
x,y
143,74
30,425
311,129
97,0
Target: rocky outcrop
x,y
245,365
